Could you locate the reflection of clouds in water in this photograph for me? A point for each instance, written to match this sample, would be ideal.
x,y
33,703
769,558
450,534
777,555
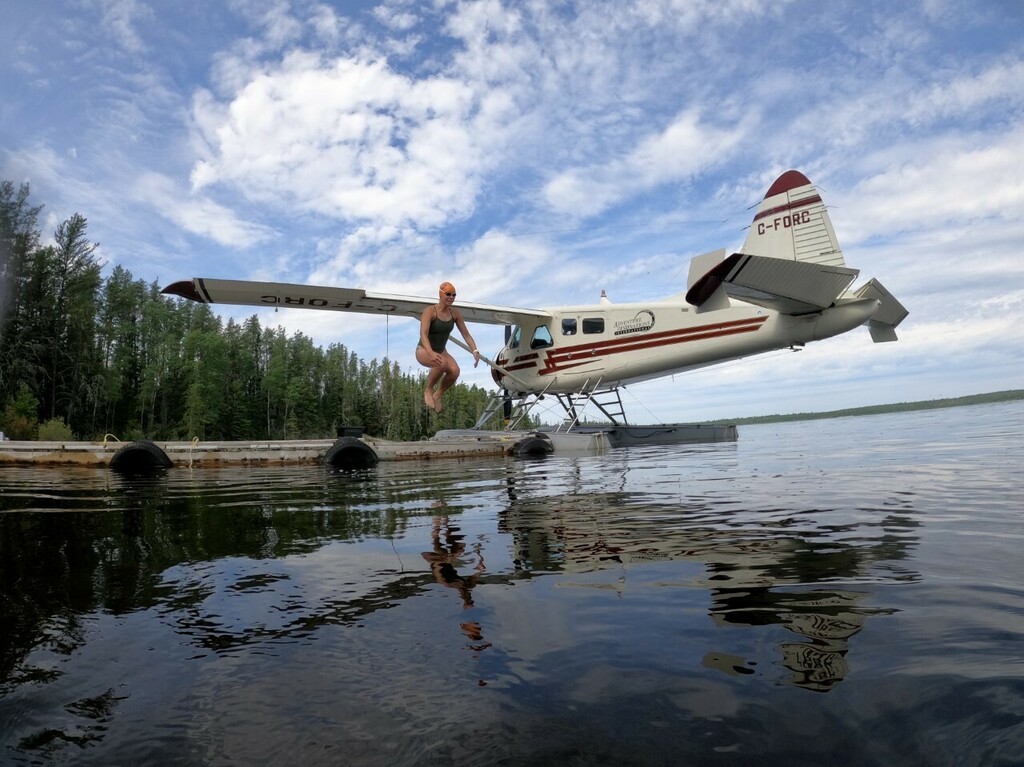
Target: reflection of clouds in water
x,y
327,646
231,603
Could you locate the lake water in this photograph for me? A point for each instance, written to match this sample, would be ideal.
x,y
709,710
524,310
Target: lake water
x,y
840,592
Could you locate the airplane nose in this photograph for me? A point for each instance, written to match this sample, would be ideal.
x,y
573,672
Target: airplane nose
x,y
497,375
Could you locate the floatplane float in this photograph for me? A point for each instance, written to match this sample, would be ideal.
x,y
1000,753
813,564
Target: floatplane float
x,y
787,287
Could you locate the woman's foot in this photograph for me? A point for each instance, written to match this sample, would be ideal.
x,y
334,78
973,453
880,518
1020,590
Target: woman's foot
x,y
428,399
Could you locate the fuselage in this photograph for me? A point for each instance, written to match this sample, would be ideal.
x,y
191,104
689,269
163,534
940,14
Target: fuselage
x,y
605,345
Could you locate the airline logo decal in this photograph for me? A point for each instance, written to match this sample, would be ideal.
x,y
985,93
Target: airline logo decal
x,y
643,322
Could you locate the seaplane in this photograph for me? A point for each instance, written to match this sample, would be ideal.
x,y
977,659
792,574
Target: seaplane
x,y
788,286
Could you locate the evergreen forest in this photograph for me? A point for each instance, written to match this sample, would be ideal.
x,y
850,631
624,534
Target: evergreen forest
x,y
83,356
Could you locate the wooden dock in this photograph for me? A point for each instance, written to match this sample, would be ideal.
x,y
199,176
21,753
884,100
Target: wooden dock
x,y
352,452
347,452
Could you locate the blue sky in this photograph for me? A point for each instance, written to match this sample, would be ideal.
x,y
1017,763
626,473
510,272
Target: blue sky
x,y
535,153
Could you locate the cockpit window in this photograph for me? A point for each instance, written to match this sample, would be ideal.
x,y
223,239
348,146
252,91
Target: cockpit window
x,y
593,325
517,334
541,338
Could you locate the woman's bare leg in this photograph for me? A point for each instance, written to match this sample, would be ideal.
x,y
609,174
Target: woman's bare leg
x,y
430,397
430,394
450,376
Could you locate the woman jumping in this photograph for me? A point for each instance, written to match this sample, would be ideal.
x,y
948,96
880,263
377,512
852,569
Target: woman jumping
x,y
435,326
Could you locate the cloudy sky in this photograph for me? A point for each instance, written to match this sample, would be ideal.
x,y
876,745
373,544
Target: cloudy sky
x,y
539,151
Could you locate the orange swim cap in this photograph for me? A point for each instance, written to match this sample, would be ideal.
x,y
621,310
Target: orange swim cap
x,y
447,287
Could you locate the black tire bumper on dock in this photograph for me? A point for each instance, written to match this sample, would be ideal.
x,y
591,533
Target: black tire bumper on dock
x,y
140,457
535,444
351,453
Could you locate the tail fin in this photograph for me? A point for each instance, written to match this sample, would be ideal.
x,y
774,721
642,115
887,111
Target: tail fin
x,y
792,223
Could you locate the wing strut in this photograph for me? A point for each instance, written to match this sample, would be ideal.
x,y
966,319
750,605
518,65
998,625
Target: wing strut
x,y
489,363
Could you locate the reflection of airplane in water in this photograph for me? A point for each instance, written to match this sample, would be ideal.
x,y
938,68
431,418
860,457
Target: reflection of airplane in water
x,y
768,572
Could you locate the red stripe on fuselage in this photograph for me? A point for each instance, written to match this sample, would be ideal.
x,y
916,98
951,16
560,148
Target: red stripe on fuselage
x,y
574,356
521,365
787,207
615,344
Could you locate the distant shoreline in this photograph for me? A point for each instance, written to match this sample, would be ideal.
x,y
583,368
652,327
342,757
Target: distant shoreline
x,y
899,407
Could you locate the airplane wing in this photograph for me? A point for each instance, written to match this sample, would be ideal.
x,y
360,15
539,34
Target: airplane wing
x,y
288,296
787,286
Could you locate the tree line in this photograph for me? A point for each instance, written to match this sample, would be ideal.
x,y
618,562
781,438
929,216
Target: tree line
x,y
83,356
1008,395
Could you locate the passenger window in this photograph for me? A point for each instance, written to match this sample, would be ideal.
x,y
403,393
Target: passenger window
x,y
593,325
569,327
541,338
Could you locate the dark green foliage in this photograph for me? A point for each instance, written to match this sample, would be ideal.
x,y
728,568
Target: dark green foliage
x,y
20,415
116,357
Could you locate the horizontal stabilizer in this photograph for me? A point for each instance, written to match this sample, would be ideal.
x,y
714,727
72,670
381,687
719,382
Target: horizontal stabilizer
x,y
890,311
789,287
882,333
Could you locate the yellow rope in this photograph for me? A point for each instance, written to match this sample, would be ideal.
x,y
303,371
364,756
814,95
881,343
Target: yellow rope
x,y
105,439
195,441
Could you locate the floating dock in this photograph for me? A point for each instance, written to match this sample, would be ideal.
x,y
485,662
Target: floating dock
x,y
629,435
350,452
347,452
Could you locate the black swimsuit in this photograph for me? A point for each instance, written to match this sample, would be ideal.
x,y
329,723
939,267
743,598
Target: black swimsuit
x,y
438,333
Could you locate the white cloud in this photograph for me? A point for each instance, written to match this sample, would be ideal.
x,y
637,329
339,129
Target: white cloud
x,y
198,215
686,147
326,24
499,270
941,185
348,139
119,18
277,24
397,19
381,258
968,93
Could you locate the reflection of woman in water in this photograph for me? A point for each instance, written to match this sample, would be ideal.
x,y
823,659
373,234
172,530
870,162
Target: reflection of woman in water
x,y
447,555
444,559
